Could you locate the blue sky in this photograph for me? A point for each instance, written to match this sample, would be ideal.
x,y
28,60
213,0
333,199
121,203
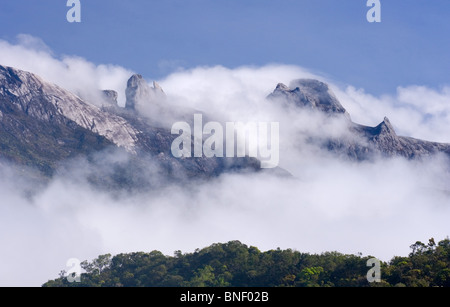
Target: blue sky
x,y
410,45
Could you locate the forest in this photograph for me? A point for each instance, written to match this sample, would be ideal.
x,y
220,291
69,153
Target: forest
x,y
235,264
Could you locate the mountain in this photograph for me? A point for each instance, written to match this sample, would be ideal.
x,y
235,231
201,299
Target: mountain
x,y
139,94
365,142
309,93
43,125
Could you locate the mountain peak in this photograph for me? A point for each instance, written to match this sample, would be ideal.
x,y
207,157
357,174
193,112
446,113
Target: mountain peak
x,y
318,95
386,128
387,122
139,94
135,77
157,87
281,87
42,101
42,124
137,91
309,93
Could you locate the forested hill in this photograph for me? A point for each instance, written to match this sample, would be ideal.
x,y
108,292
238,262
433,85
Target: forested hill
x,y
237,265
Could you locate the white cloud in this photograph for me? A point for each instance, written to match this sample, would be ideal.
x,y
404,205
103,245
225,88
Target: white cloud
x,y
30,42
415,111
71,72
374,208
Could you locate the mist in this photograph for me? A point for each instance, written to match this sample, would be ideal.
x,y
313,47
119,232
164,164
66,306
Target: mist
x,y
71,72
374,208
377,207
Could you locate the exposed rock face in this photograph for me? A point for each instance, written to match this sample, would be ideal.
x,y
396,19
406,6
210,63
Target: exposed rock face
x,y
149,102
45,101
366,142
385,140
33,130
137,92
42,124
158,88
309,93
140,95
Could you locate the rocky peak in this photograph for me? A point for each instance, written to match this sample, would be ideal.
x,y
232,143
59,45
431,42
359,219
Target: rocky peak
x,y
157,87
42,124
386,128
139,94
281,87
309,93
385,140
50,103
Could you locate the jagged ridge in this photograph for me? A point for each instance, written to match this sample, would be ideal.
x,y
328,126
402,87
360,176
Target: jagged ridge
x,y
380,140
43,124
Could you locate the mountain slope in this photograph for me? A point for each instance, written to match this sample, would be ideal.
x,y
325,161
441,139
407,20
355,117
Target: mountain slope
x,y
309,93
366,142
42,125
33,129
44,101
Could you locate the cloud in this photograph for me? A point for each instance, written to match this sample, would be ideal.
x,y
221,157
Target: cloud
x,y
36,44
70,72
415,111
237,93
374,208
377,208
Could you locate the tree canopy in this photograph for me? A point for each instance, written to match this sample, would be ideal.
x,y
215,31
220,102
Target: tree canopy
x,y
238,265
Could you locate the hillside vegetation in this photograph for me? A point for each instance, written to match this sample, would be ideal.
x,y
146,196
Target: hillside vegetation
x,y
238,265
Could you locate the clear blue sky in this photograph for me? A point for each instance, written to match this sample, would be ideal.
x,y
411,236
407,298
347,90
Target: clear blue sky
x,y
410,46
